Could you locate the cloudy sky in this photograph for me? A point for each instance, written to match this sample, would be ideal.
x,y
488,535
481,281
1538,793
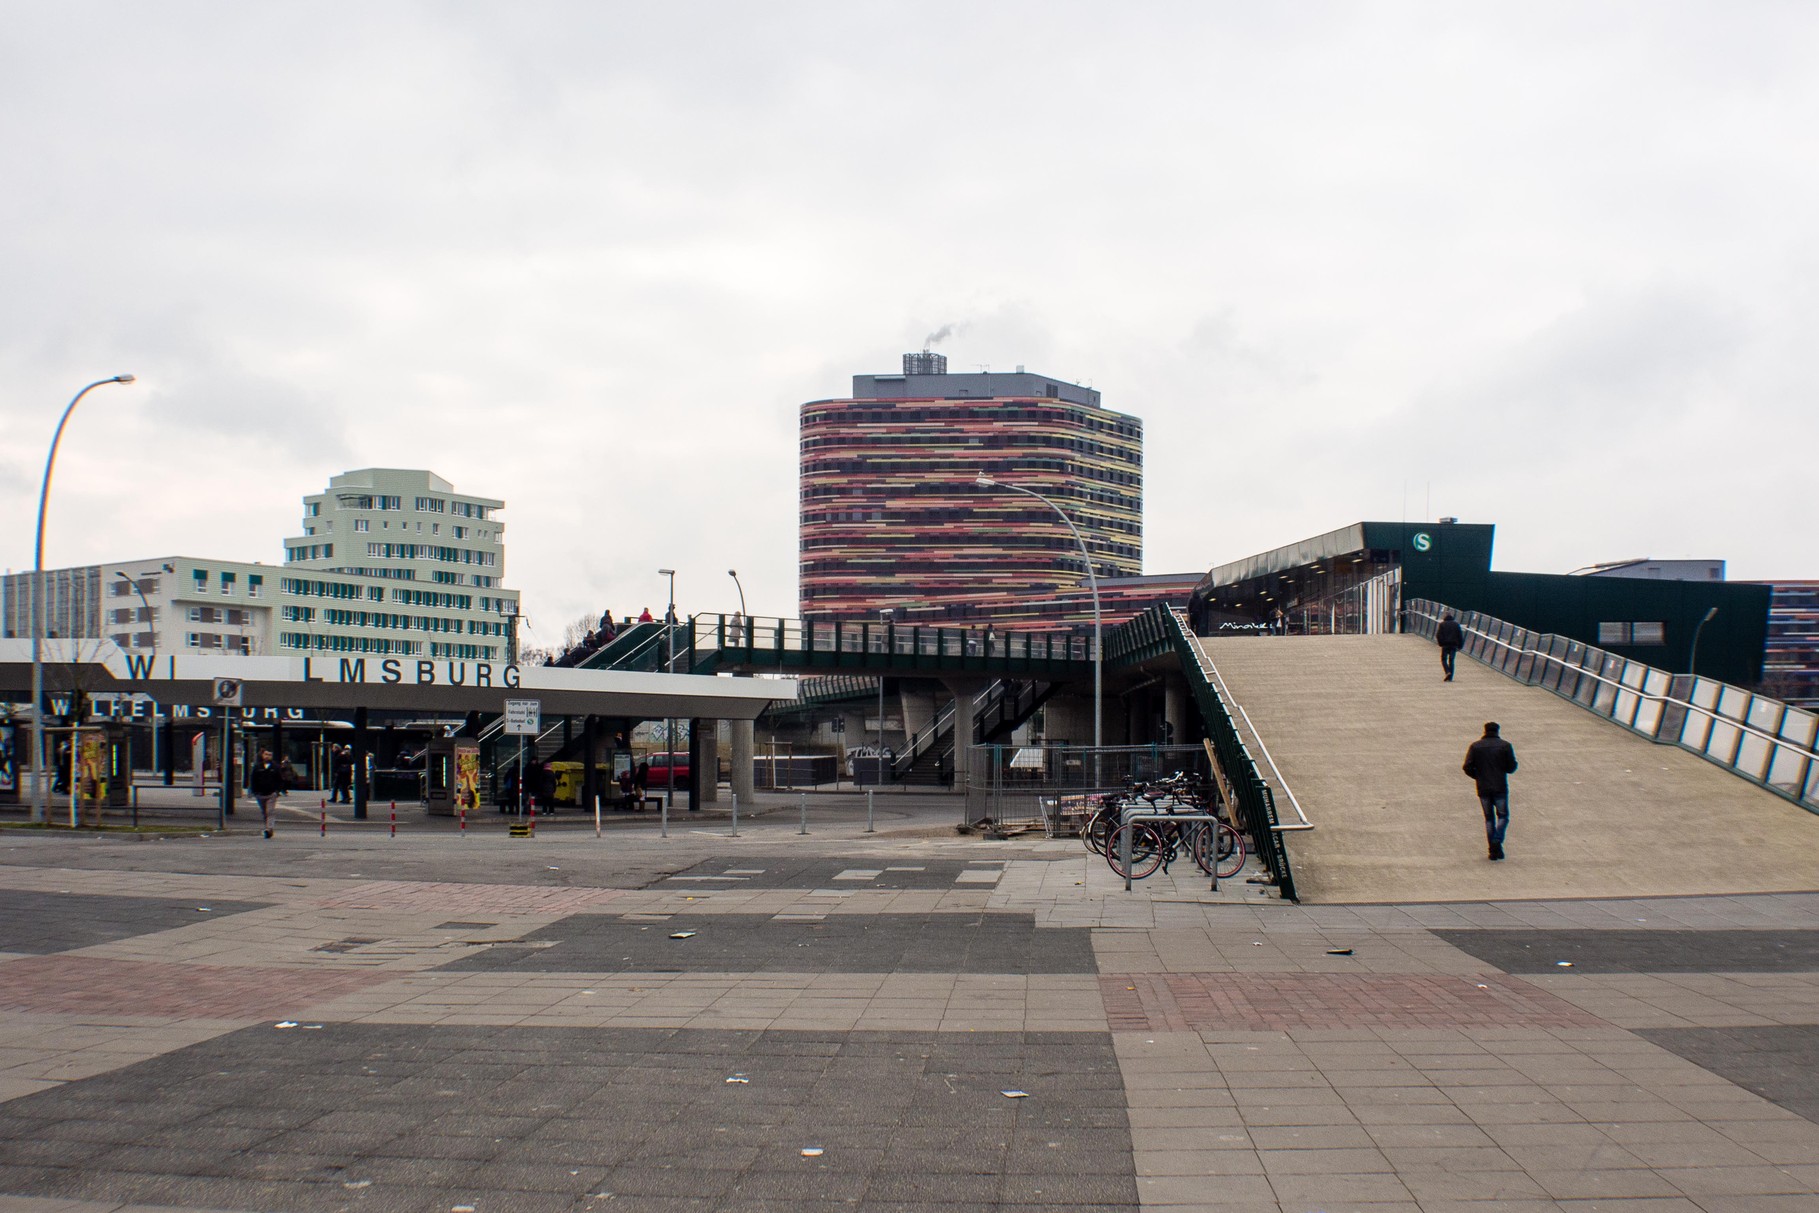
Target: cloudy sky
x,y
1548,265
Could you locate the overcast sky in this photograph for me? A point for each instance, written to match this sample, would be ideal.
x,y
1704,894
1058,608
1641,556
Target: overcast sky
x,y
1548,265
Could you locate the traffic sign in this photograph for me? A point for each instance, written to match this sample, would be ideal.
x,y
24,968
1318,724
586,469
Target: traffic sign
x,y
523,717
227,692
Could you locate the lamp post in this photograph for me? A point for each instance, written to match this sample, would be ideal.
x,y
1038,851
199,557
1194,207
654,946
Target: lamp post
x,y
669,725
40,789
1692,661
734,574
986,482
132,581
743,634
885,614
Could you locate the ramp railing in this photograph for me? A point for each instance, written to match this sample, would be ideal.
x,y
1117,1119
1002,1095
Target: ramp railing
x,y
1761,739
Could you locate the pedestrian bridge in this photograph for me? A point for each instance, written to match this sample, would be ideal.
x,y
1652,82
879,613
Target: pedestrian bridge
x,y
1370,740
714,644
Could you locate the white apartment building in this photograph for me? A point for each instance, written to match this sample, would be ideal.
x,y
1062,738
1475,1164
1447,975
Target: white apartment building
x,y
391,561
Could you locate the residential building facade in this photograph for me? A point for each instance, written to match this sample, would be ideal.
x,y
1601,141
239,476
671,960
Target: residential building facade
x,y
390,561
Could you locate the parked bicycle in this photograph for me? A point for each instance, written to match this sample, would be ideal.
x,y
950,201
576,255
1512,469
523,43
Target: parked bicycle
x,y
1215,846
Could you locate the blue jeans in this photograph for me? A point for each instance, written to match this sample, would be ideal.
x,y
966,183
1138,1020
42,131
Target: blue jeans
x,y
1496,816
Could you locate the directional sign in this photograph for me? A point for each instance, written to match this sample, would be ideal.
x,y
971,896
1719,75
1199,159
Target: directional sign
x,y
523,717
227,692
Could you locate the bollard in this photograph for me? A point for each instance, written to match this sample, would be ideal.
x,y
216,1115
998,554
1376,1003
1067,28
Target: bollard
x,y
464,821
394,819
804,800
325,819
533,817
868,810
596,817
735,814
663,816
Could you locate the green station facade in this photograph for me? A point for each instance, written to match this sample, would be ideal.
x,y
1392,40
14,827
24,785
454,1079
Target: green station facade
x,y
1356,578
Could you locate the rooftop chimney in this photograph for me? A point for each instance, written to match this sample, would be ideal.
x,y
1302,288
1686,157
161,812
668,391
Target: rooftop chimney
x,y
925,363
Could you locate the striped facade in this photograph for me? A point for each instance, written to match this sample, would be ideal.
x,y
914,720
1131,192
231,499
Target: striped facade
x,y
891,516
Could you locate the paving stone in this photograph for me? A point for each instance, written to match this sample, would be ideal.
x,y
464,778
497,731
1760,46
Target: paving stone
x,y
902,1119
1779,1063
39,923
1642,951
742,943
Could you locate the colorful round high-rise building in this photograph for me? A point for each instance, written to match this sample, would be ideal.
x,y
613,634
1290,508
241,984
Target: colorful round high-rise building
x,y
892,516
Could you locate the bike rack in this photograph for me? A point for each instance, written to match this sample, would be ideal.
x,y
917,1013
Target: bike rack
x,y
1126,816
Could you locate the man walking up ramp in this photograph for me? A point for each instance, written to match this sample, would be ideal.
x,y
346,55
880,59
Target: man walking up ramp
x,y
1371,741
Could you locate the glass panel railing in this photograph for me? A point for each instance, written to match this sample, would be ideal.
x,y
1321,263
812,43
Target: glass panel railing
x,y
1759,738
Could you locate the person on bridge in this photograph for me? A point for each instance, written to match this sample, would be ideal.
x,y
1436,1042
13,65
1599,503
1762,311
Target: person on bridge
x,y
1490,761
645,616
1451,638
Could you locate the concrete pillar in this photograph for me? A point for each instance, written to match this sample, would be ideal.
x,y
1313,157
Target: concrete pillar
x,y
590,757
707,774
1174,709
963,692
742,761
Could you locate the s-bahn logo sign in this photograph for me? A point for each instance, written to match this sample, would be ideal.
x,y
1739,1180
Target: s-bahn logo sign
x,y
1423,541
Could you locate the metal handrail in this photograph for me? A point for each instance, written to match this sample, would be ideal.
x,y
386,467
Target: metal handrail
x,y
1213,676
1689,705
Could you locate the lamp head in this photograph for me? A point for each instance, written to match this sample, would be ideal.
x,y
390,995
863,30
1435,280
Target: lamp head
x,y
985,482
124,378
733,573
666,572
1709,614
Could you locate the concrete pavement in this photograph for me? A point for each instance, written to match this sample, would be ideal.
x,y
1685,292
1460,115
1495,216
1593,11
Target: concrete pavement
x,y
894,1022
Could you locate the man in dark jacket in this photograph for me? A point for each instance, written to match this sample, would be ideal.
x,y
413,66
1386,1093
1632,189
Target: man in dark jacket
x,y
265,781
341,767
1489,762
1451,638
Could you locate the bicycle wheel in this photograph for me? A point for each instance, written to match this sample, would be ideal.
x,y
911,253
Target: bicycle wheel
x,y
1099,827
1145,850
1231,851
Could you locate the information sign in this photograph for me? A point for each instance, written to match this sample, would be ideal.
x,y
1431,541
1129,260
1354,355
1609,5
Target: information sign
x,y
523,717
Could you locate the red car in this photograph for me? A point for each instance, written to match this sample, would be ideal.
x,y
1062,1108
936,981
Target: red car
x,y
662,766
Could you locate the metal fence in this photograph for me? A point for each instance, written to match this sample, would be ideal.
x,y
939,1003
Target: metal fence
x,y
1051,786
1764,740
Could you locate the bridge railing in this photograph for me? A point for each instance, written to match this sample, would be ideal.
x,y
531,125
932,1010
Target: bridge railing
x,y
773,640
1764,740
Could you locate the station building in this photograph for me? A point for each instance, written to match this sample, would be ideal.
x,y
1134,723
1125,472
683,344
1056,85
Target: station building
x,y
1357,578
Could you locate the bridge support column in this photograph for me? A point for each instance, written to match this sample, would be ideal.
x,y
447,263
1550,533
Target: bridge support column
x,y
742,761
963,693
704,769
1174,709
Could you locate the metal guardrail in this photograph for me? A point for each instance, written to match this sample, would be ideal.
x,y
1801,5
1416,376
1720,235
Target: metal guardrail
x,y
1758,738
1210,672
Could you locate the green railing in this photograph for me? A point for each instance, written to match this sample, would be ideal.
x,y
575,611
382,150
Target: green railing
x,y
1255,802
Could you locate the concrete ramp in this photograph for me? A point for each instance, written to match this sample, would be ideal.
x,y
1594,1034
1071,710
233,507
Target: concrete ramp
x,y
1370,738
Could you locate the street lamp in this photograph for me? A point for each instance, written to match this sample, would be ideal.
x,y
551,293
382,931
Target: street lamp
x,y
884,613
986,482
150,623
669,726
734,574
1692,661
40,789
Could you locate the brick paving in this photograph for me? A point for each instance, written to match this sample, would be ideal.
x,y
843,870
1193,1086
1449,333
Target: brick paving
x,y
1280,1002
414,897
90,985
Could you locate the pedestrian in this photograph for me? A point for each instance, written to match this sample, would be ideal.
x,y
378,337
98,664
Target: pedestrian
x,y
1451,638
265,781
341,765
609,630
626,788
735,631
645,616
1490,761
545,787
641,780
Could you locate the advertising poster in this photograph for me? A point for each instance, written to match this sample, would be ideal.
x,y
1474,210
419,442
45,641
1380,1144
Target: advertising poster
x,y
93,766
467,778
9,770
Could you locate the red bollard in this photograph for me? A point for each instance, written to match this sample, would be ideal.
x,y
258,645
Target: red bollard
x,y
325,819
394,819
464,821
533,817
